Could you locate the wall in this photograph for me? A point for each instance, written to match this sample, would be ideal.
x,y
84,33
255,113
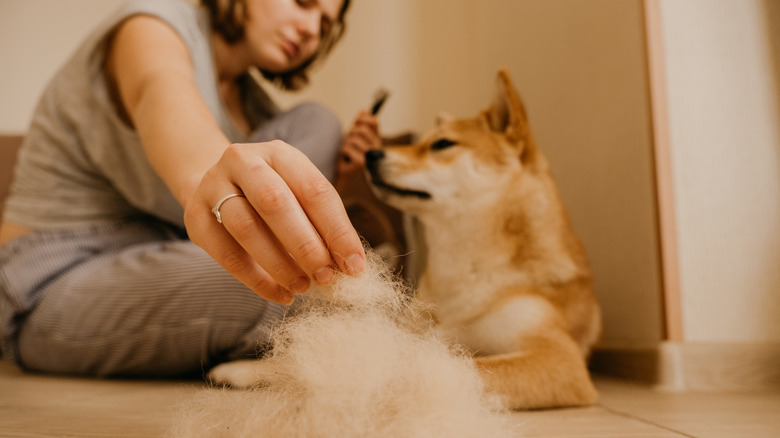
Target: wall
x,y
579,65
37,37
724,120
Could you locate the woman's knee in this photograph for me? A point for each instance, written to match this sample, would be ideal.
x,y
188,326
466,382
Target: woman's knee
x,y
315,117
316,131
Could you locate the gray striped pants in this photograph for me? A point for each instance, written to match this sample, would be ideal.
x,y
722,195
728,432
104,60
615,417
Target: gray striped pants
x,y
136,297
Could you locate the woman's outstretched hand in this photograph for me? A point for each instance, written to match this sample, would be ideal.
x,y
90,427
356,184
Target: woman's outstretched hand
x,y
288,226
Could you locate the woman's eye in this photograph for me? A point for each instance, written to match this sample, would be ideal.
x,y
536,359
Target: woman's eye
x,y
325,27
442,143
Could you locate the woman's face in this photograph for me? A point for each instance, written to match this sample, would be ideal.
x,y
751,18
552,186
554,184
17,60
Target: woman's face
x,y
283,34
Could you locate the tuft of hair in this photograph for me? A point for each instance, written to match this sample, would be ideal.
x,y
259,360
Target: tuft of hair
x,y
354,359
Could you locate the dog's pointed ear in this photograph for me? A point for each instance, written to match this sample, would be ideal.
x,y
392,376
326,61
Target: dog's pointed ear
x,y
443,117
507,114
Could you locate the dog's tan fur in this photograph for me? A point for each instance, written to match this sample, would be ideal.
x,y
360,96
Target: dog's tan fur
x,y
506,274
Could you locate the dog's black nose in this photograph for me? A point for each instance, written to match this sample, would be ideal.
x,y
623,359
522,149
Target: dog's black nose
x,y
374,155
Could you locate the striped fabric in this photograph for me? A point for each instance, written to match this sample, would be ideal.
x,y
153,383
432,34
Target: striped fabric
x,y
128,298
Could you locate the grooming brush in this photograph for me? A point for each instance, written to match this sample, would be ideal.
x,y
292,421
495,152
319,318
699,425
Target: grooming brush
x,y
379,99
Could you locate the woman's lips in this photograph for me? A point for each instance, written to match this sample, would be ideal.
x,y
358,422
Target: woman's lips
x,y
290,49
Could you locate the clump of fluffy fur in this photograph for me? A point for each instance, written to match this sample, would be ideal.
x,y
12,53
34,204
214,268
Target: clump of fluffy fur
x,y
357,359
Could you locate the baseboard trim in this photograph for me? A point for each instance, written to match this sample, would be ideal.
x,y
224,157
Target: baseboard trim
x,y
682,366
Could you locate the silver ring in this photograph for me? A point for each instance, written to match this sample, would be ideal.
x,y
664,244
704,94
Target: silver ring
x,y
215,210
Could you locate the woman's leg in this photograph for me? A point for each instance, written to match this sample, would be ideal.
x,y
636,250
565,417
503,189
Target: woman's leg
x,y
310,127
159,306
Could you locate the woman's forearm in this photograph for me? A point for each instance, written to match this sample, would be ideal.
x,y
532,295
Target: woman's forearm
x,y
152,70
180,137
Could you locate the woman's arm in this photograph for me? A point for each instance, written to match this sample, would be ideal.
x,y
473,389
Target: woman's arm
x,y
152,70
291,225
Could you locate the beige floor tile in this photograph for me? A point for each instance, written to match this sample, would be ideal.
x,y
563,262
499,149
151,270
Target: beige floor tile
x,y
711,415
593,422
48,406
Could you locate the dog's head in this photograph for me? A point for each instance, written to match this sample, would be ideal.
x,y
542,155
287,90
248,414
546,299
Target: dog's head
x,y
462,163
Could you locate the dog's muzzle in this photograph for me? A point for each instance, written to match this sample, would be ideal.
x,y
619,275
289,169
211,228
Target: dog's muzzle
x,y
374,159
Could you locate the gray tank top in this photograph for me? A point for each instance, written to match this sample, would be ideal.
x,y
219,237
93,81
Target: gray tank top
x,y
80,163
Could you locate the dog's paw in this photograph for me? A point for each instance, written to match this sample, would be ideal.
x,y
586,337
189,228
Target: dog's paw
x,y
238,374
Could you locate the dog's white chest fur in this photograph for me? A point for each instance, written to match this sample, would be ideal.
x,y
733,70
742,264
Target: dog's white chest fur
x,y
463,281
475,287
500,330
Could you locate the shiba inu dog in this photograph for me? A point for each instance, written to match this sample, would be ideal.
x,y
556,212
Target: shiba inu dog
x,y
505,275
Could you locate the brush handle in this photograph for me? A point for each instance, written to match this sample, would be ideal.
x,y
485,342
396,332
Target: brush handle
x,y
380,100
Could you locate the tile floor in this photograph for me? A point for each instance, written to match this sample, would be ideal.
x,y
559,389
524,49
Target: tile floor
x,y
48,406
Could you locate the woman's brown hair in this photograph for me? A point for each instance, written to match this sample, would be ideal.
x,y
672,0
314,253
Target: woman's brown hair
x,y
228,18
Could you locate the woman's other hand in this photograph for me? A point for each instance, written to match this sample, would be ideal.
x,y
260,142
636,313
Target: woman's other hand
x,y
362,137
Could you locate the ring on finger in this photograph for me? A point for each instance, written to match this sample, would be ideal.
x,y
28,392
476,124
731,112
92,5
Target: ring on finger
x,y
215,210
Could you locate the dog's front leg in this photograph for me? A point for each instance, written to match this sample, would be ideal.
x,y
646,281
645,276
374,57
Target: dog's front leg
x,y
243,373
548,371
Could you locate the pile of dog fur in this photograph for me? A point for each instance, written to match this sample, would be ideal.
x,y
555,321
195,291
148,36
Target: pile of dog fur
x,y
355,359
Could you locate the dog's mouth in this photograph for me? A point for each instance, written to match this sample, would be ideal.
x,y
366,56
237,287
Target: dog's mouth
x,y
373,159
400,191
378,182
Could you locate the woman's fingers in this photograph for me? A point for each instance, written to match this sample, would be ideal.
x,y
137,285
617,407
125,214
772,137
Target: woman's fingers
x,y
366,128
363,137
300,207
217,241
275,203
258,241
306,214
289,225
367,119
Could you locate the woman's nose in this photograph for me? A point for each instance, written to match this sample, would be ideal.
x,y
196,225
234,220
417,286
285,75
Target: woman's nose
x,y
309,23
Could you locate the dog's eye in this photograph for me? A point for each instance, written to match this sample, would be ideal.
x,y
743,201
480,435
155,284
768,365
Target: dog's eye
x,y
442,143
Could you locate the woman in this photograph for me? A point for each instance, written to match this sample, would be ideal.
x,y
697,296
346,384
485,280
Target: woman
x,y
158,186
